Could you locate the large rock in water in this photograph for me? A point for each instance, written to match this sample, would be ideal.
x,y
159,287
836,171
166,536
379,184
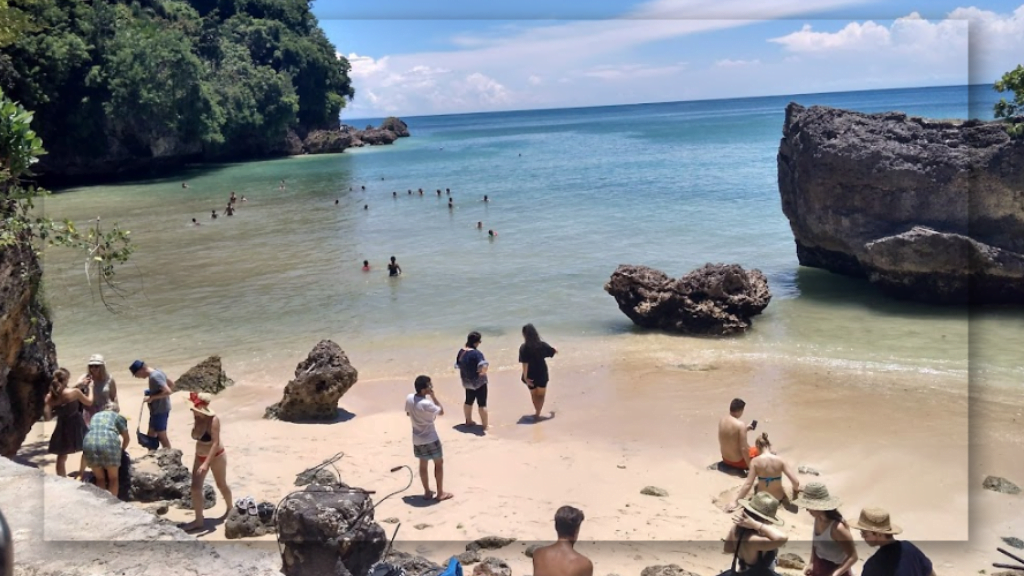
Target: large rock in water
x,y
716,300
28,357
320,381
207,376
927,210
329,531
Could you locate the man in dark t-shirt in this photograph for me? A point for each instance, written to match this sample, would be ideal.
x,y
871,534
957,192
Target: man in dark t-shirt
x,y
894,557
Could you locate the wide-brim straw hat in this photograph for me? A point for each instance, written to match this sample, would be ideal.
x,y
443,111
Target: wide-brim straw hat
x,y
97,360
764,506
815,496
201,403
876,520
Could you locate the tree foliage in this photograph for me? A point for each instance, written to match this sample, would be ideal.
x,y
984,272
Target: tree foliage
x,y
1012,81
169,77
22,227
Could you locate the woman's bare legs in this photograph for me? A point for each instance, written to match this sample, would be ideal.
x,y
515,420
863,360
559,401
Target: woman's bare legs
x,y
112,480
219,467
197,497
62,465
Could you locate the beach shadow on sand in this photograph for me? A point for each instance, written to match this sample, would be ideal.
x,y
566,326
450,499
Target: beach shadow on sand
x,y
209,527
34,455
475,430
418,501
531,419
727,470
341,416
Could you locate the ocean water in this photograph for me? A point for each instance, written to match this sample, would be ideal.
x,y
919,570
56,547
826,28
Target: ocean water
x,y
573,193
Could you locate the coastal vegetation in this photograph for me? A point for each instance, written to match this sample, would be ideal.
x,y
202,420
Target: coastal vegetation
x,y
1013,111
204,79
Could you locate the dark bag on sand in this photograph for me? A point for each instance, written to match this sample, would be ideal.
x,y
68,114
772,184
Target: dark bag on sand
x,y
732,569
124,476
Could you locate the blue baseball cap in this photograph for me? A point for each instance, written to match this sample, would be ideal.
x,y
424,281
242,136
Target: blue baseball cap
x,y
136,366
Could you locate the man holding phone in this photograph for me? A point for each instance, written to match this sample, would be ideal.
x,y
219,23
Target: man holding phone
x,y
732,439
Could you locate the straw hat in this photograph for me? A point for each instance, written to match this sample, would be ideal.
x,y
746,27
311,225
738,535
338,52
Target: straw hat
x,y
764,506
96,360
201,403
876,520
815,496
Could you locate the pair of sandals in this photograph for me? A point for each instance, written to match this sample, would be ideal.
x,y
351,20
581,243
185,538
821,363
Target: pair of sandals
x,y
249,506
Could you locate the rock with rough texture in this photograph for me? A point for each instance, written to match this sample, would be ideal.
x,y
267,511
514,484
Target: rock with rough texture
x,y
396,125
207,376
318,474
329,141
469,557
669,570
413,565
715,300
489,543
245,525
28,357
808,470
105,536
492,567
654,491
925,209
329,530
1001,485
320,381
1013,541
160,475
791,561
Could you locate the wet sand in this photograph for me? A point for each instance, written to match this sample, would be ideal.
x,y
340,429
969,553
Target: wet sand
x,y
900,441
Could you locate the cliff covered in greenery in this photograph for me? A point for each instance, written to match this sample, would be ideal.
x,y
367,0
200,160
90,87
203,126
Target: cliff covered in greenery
x,y
123,86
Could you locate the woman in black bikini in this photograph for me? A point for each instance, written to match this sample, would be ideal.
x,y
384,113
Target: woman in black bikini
x,y
754,541
209,456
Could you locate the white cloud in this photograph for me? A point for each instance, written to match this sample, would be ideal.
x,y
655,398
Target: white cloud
x,y
854,36
535,80
727,63
629,71
363,66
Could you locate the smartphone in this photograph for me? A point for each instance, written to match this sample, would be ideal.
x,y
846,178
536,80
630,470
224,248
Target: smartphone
x,y
753,425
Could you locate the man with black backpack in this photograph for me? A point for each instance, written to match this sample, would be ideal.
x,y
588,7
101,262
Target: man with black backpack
x,y
473,370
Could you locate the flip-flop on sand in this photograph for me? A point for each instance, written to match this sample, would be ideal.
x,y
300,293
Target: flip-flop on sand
x,y
253,510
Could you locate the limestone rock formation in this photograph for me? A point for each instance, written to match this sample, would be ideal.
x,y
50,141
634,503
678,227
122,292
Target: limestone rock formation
x,y
492,567
241,524
28,357
489,543
396,125
1000,484
329,530
207,376
320,381
160,475
669,570
82,531
715,300
414,565
925,209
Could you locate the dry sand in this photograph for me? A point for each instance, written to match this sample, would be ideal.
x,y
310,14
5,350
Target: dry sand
x,y
894,440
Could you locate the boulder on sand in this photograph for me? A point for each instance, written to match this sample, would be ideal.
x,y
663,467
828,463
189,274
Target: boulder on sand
x,y
207,376
329,530
160,475
715,300
320,381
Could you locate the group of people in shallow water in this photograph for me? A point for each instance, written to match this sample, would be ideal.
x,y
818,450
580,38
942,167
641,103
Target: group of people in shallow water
x,y
89,421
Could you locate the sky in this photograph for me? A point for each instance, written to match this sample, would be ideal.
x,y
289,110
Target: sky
x,y
428,57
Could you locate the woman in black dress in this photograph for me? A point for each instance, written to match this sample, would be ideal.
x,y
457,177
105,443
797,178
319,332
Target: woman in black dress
x,y
64,402
532,355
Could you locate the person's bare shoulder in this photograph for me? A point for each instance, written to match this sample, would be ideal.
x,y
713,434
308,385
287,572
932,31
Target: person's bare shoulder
x,y
582,566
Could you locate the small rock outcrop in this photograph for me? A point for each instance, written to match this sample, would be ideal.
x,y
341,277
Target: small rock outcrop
x,y
469,557
28,357
207,376
489,543
396,125
669,570
654,491
791,561
338,139
160,475
492,567
320,381
329,530
927,210
413,565
241,524
1000,484
715,300
808,470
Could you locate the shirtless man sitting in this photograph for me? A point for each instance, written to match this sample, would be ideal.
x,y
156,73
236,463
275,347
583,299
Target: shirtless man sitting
x,y
732,439
560,559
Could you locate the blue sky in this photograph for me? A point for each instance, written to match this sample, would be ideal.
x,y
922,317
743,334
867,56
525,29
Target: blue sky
x,y
430,57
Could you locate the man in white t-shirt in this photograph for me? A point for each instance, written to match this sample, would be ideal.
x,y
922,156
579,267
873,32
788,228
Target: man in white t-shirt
x,y
423,408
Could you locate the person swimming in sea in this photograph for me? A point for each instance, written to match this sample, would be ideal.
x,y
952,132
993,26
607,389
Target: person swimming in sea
x,y
486,199
363,187
492,233
194,223
213,214
184,185
244,199
448,191
230,210
410,191
366,206
479,225
366,265
450,205
232,199
438,192
394,194
393,268
335,201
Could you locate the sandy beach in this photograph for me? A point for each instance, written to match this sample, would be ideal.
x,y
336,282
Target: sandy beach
x,y
901,441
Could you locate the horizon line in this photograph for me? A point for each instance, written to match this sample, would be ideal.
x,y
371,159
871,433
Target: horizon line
x,y
968,86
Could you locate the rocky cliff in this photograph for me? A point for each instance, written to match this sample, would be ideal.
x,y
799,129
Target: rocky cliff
x,y
28,357
927,210
167,155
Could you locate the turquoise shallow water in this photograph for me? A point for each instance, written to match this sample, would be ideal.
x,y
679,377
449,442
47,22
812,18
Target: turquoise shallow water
x,y
573,193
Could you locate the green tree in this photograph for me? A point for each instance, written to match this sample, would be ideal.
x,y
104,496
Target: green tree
x,y
21,226
1013,111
